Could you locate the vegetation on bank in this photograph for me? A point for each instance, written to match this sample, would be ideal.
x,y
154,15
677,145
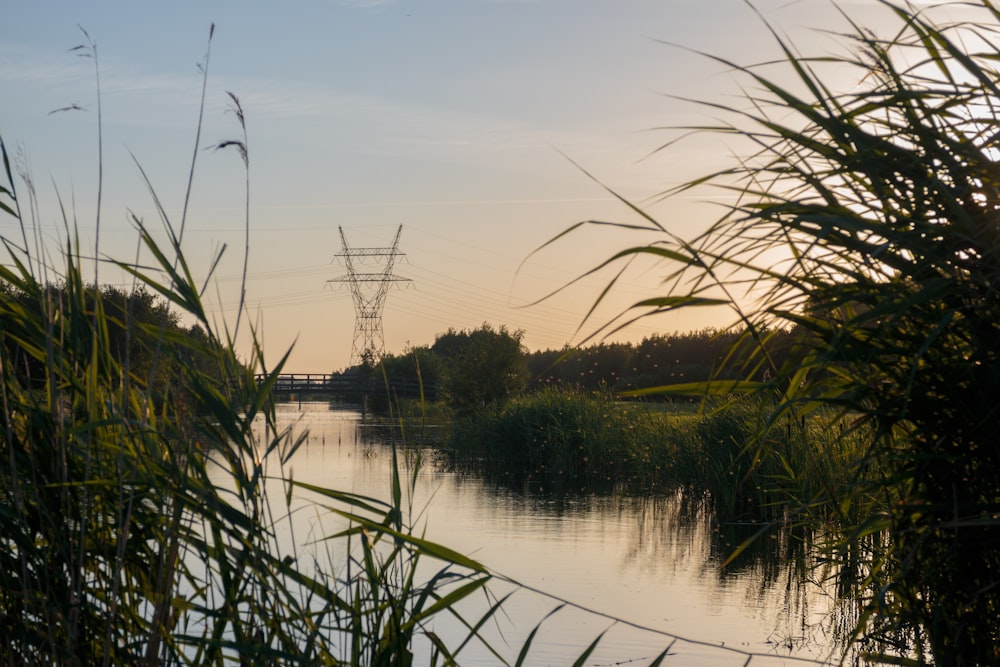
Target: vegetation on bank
x,y
566,440
591,419
463,369
477,367
569,441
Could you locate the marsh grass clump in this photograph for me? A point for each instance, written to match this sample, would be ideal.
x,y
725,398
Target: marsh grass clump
x,y
106,483
575,441
567,439
759,470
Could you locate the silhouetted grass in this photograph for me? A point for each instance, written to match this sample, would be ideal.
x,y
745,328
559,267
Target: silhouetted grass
x,y
865,216
138,521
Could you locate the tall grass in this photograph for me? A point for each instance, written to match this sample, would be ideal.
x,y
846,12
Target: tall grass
x,y
138,523
565,439
757,470
881,198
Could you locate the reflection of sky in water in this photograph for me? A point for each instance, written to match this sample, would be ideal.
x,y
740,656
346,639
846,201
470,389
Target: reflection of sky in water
x,y
647,561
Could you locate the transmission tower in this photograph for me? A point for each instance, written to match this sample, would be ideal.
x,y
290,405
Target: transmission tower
x,y
369,289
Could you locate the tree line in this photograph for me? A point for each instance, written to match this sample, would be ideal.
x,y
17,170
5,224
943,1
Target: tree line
x,y
477,367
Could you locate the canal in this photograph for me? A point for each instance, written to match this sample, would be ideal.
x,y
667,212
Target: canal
x,y
647,570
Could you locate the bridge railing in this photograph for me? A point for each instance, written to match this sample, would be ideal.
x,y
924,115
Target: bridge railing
x,y
339,383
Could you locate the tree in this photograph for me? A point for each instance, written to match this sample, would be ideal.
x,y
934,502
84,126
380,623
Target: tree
x,y
592,368
482,366
885,202
417,367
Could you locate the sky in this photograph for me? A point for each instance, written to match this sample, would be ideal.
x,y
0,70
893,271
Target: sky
x,y
484,127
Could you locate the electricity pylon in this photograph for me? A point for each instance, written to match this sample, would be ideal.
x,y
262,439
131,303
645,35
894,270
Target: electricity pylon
x,y
369,289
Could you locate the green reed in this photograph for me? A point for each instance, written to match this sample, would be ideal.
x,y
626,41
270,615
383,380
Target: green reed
x,y
864,217
761,470
138,515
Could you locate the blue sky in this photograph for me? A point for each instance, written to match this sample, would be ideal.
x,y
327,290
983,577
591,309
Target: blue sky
x,y
454,118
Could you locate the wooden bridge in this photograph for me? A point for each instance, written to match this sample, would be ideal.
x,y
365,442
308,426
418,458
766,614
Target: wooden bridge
x,y
348,385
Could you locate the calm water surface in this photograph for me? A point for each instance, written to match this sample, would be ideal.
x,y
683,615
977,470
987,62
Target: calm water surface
x,y
641,560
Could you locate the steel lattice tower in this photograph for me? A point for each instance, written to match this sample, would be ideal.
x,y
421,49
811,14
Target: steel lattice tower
x,y
369,289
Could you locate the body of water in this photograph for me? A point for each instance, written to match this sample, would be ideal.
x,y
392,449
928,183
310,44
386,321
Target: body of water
x,y
653,563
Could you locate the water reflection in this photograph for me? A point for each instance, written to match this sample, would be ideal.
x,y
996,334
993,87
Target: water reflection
x,y
654,562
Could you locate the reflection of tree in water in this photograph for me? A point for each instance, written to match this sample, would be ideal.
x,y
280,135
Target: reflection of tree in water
x,y
677,536
674,535
778,569
406,433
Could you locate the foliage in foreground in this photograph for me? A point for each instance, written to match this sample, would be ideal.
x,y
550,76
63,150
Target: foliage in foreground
x,y
883,200
136,526
143,485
